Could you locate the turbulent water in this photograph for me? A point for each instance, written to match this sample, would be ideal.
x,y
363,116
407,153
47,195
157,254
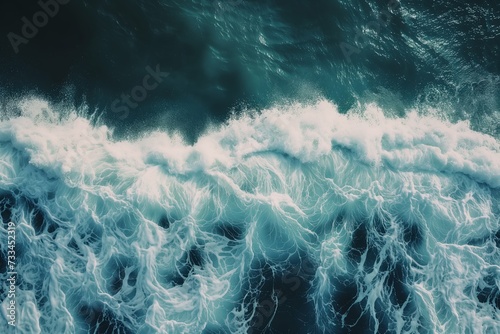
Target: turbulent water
x,y
322,167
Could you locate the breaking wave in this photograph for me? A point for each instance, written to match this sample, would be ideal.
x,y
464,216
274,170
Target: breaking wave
x,y
296,219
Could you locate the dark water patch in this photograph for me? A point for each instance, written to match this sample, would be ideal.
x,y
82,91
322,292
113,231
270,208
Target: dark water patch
x,y
379,223
351,315
195,257
114,272
496,238
7,202
113,67
164,222
383,318
92,237
481,240
231,231
40,222
132,277
413,235
397,286
354,314
413,238
397,283
190,259
97,318
282,297
361,244
402,296
488,290
73,246
3,262
42,300
180,277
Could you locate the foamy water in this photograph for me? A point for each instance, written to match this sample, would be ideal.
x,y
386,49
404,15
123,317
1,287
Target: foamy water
x,y
332,223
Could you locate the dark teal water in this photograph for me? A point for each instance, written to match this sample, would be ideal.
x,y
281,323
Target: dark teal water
x,y
222,55
250,166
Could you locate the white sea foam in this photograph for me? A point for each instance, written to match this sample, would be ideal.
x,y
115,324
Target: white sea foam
x,y
155,235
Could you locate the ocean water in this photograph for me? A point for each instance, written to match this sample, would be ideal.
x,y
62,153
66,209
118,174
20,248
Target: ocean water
x,y
250,167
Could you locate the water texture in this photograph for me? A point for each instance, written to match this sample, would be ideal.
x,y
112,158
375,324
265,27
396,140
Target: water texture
x,y
251,167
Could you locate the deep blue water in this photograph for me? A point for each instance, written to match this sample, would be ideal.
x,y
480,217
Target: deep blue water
x,y
250,166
